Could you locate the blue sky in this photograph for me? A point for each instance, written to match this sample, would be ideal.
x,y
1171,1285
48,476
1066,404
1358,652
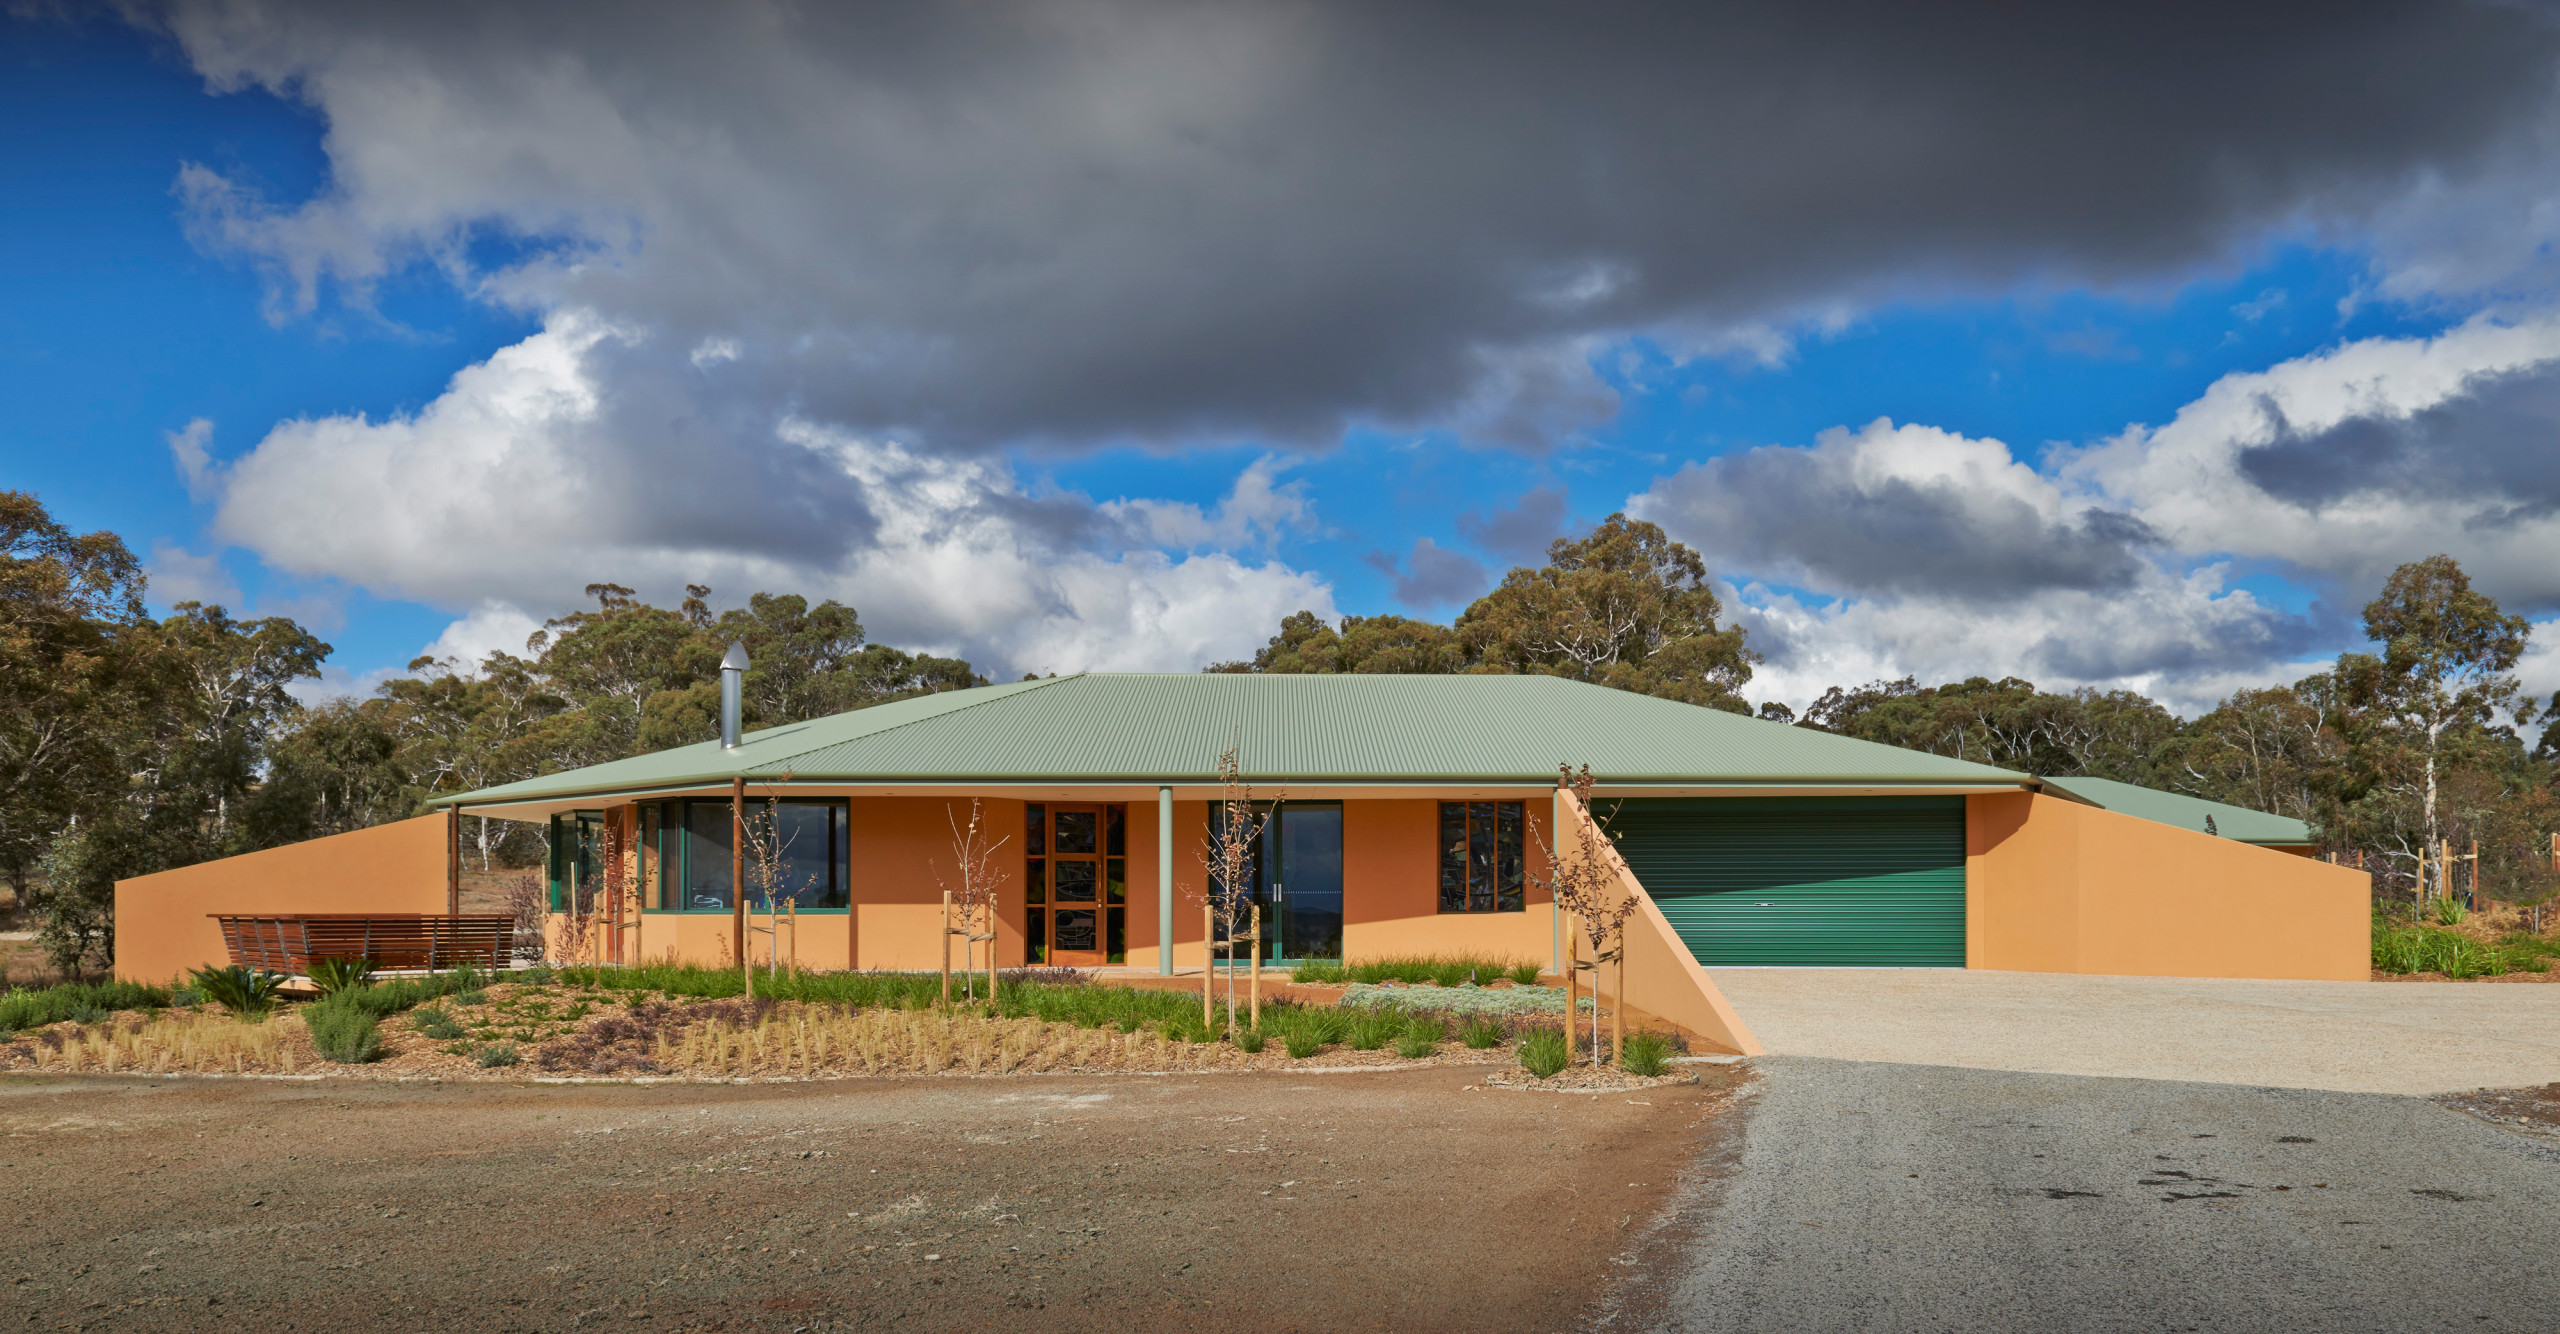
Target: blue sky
x,y
142,298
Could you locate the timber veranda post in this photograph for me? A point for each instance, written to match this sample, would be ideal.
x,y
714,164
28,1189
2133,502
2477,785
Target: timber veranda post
x,y
1255,994
1208,965
453,861
738,881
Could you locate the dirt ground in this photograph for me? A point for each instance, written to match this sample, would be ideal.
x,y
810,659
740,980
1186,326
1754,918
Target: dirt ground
x,y
1408,1200
2530,1108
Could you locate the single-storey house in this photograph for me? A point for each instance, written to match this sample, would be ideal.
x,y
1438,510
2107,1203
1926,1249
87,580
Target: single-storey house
x,y
1410,815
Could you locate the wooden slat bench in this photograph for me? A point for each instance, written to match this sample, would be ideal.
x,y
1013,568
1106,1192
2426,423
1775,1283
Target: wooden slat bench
x,y
287,943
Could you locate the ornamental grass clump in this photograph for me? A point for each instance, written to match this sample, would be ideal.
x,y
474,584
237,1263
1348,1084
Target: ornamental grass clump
x,y
1373,1030
436,1022
1482,1033
1421,1037
1301,1042
37,1007
1647,1054
496,1055
1543,1053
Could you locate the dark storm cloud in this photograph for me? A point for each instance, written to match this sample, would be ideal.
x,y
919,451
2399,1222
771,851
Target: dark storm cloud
x,y
1082,222
2497,441
1431,576
1852,515
1521,533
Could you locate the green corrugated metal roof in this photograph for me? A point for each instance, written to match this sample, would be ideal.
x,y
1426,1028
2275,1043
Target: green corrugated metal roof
x,y
2233,822
1151,728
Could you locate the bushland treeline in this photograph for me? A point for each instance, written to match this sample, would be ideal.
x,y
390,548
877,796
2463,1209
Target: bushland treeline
x,y
2423,739
131,744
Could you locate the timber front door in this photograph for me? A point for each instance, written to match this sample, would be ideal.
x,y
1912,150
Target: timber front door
x,y
1076,884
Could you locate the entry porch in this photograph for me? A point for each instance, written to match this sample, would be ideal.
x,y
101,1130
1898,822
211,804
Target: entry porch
x,y
832,878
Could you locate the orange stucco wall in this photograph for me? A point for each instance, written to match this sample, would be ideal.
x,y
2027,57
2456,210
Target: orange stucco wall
x,y
2057,887
1391,891
162,927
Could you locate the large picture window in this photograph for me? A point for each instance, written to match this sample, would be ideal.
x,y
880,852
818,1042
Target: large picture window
x,y
689,856
1483,865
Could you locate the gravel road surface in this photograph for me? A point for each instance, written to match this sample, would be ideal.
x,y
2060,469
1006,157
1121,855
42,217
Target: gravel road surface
x,y
1892,1197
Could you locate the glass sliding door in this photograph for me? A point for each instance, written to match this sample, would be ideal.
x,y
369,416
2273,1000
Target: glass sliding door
x,y
1297,878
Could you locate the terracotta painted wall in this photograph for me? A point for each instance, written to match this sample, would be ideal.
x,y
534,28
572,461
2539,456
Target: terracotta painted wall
x,y
1391,891
2054,886
162,929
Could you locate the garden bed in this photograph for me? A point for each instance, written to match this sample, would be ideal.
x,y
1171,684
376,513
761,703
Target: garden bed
x,y
599,1026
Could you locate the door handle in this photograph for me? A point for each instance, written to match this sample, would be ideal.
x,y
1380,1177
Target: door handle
x,y
1276,894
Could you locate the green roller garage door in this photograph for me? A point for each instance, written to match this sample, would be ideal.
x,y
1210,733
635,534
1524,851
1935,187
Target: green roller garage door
x,y
1839,881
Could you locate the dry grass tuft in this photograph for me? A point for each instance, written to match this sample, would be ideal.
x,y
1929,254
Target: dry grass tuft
x,y
198,1042
818,1041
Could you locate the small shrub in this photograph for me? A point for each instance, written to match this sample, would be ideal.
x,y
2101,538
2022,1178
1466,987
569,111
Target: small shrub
x,y
1482,1033
335,975
1250,1041
475,996
436,1022
1301,1042
1373,1030
1420,1038
246,992
1543,1053
1648,1054
186,996
1524,974
496,1054
88,1014
343,1033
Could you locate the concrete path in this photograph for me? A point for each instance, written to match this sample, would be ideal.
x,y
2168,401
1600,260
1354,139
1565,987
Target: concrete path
x,y
1876,1197
2362,1037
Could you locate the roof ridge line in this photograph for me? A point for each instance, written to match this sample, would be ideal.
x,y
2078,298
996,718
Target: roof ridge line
x,y
1036,686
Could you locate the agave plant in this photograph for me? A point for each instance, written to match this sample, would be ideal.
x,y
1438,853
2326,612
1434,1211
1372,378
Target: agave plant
x,y
335,975
246,992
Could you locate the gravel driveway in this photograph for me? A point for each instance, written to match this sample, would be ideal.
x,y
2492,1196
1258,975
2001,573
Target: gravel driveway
x,y
1870,1196
2363,1037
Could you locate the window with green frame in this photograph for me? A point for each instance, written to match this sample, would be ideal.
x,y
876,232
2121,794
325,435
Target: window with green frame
x,y
576,839
685,861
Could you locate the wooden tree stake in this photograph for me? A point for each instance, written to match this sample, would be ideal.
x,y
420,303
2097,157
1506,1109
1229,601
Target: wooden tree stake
x,y
946,947
1618,1013
1572,989
1208,967
1257,966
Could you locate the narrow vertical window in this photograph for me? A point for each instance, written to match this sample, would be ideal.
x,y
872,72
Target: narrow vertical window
x,y
1453,856
1483,860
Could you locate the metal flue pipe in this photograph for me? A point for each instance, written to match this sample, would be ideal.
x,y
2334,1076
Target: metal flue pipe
x,y
733,677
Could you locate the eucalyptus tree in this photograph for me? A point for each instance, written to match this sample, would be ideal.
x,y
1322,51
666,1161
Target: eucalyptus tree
x,y
2447,667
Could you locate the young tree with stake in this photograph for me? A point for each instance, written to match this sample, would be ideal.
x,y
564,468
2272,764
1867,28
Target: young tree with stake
x,y
1584,881
978,883
1230,854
